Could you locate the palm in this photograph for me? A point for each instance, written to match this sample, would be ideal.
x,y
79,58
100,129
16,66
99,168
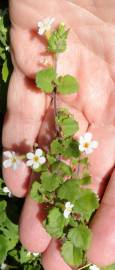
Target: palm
x,y
90,57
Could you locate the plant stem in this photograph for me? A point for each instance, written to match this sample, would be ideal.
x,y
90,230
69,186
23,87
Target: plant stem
x,y
87,265
55,102
55,99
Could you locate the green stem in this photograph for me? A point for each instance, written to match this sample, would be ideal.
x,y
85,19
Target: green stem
x,y
55,99
78,168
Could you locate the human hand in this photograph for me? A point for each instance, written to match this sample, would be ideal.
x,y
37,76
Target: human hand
x,y
90,57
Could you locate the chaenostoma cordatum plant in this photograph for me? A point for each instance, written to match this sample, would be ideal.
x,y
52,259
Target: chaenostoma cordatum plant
x,y
69,206
63,171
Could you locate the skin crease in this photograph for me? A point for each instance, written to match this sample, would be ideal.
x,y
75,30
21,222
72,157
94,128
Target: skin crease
x,y
90,57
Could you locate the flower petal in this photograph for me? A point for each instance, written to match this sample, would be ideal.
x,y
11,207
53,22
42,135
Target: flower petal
x,y
7,163
42,160
36,165
81,140
15,165
66,213
13,154
81,148
88,150
30,155
7,154
29,162
94,267
6,190
94,144
52,20
35,254
38,152
67,204
40,24
41,31
88,136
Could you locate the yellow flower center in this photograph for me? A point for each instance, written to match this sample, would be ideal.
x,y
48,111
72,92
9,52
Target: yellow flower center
x,y
69,209
13,160
47,34
36,158
86,145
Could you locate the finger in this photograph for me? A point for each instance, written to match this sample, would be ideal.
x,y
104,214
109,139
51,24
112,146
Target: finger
x,y
52,259
33,236
102,249
26,108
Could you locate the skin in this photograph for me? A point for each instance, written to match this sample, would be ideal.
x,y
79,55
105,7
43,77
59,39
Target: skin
x,y
90,58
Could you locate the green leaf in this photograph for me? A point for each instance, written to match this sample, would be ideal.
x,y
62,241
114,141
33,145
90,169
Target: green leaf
x,y
84,161
69,191
86,204
10,231
61,168
8,228
2,53
85,180
56,147
80,236
33,267
3,249
55,222
70,148
14,254
51,159
5,71
24,258
57,42
50,181
67,124
36,192
72,255
45,79
69,127
67,85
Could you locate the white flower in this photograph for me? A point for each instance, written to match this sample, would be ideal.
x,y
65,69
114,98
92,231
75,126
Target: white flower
x,y
94,267
7,191
7,48
11,161
68,209
35,254
45,25
35,160
3,266
86,144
